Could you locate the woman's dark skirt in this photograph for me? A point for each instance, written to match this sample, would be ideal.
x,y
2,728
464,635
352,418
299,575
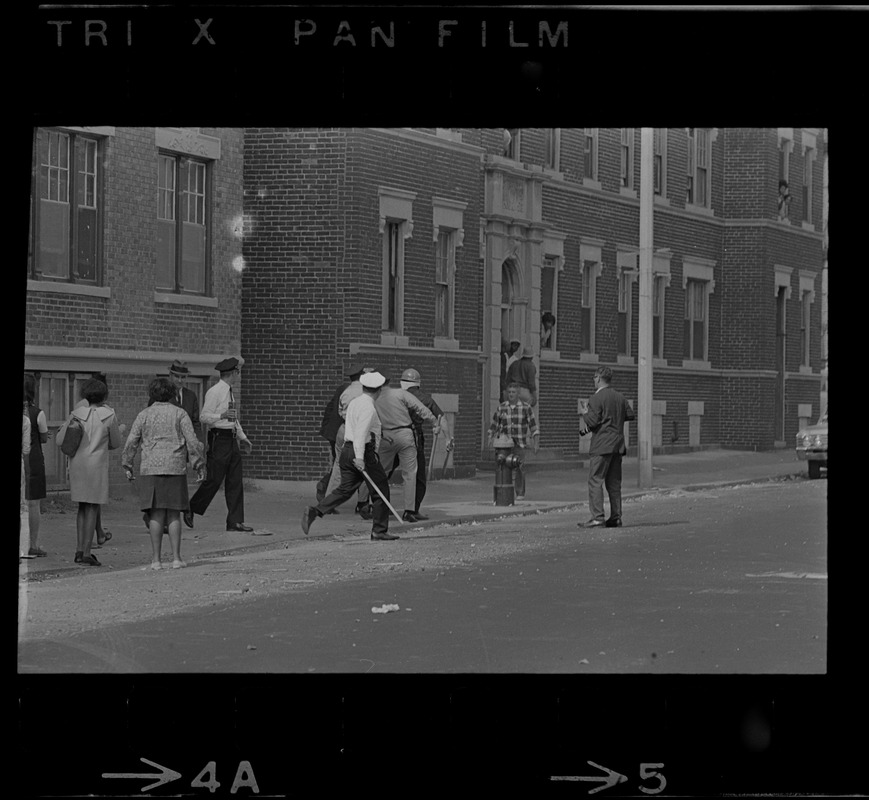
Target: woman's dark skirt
x,y
163,491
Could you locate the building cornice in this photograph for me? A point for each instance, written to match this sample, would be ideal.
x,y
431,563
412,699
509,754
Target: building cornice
x,y
432,139
84,359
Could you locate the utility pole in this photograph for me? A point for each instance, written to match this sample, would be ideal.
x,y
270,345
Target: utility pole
x,y
644,338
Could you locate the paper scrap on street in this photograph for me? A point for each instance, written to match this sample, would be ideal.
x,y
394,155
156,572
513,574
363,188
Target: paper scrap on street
x,y
384,609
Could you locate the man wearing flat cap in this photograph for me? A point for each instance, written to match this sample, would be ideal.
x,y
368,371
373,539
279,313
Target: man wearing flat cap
x,y
225,441
362,432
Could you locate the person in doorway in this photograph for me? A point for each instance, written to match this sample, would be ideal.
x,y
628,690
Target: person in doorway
x,y
362,431
410,382
164,434
547,324
226,443
608,410
524,374
516,419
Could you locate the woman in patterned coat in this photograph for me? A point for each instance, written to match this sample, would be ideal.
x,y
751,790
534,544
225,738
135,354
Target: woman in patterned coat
x,y
165,435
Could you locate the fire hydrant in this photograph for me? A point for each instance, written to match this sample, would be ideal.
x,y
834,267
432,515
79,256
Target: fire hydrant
x,y
505,463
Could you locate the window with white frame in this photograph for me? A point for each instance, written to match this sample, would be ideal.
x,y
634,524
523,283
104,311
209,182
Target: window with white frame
x,y
183,208
694,341
67,206
698,283
660,161
699,161
590,154
626,151
807,298
660,282
658,289
393,257
623,332
396,225
448,235
552,147
808,184
626,275
588,310
805,328
445,266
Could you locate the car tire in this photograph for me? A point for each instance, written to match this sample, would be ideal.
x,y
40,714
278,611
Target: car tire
x,y
814,469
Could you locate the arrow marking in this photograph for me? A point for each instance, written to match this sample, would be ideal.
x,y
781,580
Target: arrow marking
x,y
164,776
610,779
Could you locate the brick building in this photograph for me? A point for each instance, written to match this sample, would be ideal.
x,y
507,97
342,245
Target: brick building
x,y
424,248
133,262
427,247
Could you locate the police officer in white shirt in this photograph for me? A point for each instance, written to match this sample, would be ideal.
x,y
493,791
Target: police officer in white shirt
x,y
226,442
362,433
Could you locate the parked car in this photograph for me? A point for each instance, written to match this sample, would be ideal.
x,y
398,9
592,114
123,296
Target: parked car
x,y
812,446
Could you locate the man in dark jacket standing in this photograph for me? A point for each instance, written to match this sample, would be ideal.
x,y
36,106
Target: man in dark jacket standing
x,y
608,410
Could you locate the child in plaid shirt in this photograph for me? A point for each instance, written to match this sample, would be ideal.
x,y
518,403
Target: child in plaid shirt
x,y
516,419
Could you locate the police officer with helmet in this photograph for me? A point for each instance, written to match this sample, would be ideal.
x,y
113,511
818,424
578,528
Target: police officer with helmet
x,y
410,381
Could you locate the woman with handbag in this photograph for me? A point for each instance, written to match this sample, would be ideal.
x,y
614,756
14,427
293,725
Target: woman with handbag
x,y
165,435
89,466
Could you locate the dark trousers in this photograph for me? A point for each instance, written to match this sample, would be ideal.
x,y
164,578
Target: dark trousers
x,y
350,480
420,472
224,466
323,483
605,470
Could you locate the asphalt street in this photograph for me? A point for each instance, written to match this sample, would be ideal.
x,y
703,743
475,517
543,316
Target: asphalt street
x,y
717,581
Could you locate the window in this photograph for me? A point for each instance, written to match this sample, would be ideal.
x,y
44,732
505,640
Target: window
x,y
548,300
805,326
586,344
590,154
396,225
394,270
698,167
623,333
66,218
445,264
808,162
660,160
658,288
784,159
183,195
695,321
626,151
551,147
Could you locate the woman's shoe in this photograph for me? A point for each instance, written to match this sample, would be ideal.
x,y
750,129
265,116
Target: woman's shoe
x,y
101,542
90,561
36,551
156,565
178,563
79,554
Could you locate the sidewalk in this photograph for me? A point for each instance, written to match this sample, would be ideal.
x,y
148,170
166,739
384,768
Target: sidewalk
x,y
274,508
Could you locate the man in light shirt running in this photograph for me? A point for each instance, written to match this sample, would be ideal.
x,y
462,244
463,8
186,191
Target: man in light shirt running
x,y
362,433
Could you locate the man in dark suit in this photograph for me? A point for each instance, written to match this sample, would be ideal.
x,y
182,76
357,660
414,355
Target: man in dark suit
x,y
608,410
